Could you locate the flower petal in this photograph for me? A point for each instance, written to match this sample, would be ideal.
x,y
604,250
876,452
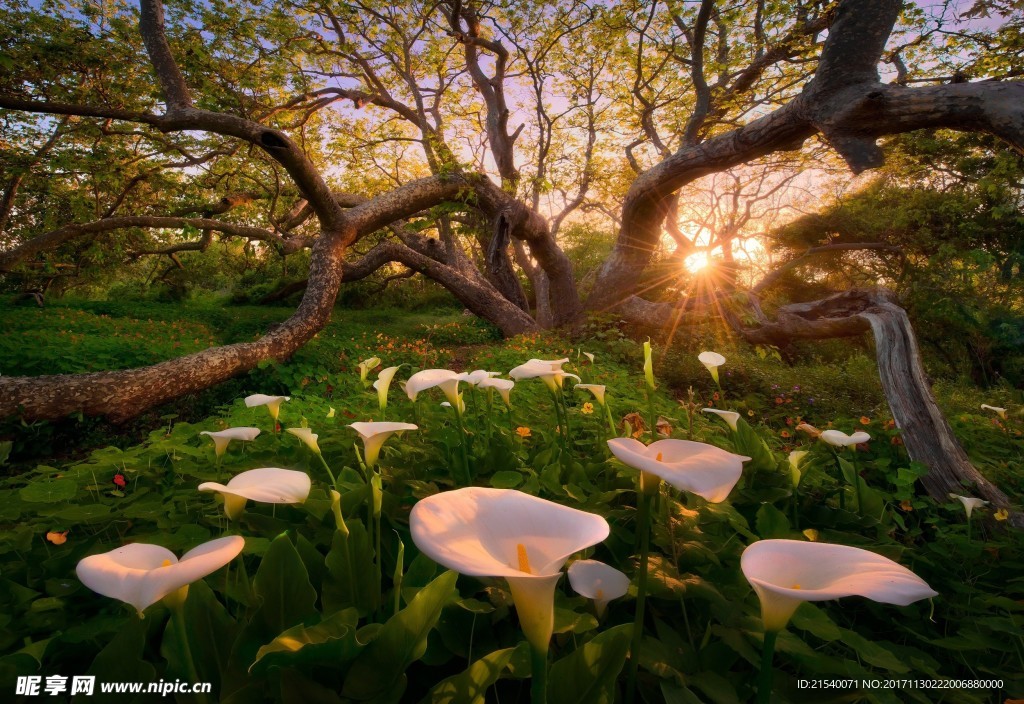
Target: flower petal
x,y
478,531
269,485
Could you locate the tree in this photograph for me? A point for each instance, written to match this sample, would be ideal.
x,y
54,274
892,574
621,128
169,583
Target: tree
x,y
712,88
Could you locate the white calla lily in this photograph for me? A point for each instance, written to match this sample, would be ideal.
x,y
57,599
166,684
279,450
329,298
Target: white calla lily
x,y
307,436
502,386
1001,412
268,485
505,533
711,360
141,574
705,470
446,379
598,581
597,389
729,417
786,573
366,366
548,371
383,383
795,458
273,403
477,376
375,434
222,438
589,356
837,438
970,503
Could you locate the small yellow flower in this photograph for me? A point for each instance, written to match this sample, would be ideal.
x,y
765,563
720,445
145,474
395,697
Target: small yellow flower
x,y
523,432
811,535
1002,514
587,409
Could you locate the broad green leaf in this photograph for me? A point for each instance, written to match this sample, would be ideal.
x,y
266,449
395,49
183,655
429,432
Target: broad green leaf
x,y
771,522
470,686
330,642
506,479
400,642
588,675
49,491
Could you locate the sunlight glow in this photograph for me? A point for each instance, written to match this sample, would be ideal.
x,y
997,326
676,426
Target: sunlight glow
x,y
696,262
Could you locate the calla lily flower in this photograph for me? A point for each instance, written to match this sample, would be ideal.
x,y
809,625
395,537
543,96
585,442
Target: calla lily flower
x,y
366,365
502,386
785,573
589,356
142,574
729,417
598,581
596,389
383,383
711,360
837,438
273,403
222,438
970,503
307,436
268,485
548,371
1001,412
648,364
477,376
795,458
429,378
705,470
505,533
375,434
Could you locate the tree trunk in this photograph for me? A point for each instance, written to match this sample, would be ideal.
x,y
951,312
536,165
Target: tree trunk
x,y
925,431
121,395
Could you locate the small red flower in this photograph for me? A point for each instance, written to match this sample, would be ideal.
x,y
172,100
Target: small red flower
x,y
119,481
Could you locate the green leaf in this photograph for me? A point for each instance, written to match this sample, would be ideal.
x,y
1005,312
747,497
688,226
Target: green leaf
x,y
470,686
330,642
282,585
351,579
49,491
506,479
771,522
121,660
588,675
400,642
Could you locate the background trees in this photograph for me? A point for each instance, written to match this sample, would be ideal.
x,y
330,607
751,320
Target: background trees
x,y
459,141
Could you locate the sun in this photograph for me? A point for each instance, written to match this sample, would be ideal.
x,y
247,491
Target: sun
x,y
696,262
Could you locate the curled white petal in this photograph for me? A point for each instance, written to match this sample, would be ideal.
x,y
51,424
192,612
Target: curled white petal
x,y
970,503
729,417
142,574
375,434
597,389
222,438
429,378
598,581
705,470
307,436
838,438
785,573
269,485
1001,412
502,386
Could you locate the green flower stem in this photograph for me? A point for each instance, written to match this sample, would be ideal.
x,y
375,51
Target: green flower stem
x,y
608,414
764,680
565,415
644,526
856,485
181,635
538,676
653,414
463,450
334,482
968,529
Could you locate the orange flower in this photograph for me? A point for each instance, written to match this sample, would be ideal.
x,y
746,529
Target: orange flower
x,y
905,505
523,432
896,440
784,433
715,396
889,424
778,400
864,420
57,537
